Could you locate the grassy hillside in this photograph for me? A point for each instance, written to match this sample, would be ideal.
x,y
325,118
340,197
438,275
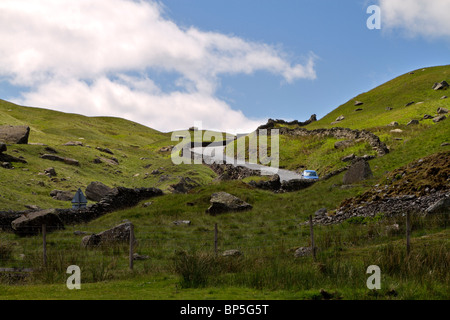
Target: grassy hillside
x,y
136,148
182,262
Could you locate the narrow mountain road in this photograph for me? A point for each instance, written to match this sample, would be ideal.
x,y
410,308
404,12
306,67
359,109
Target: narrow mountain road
x,y
216,154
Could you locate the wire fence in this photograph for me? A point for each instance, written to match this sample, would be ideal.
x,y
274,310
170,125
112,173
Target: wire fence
x,y
53,245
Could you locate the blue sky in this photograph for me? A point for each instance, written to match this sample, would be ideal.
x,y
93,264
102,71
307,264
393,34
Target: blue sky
x,y
230,64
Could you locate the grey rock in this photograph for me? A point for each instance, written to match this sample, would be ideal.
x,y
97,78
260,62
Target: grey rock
x,y
440,86
343,144
68,161
273,184
393,124
302,252
413,122
340,118
182,222
120,233
358,171
358,103
106,150
440,206
184,185
62,195
427,116
51,172
232,253
321,212
409,103
442,111
14,134
222,202
96,191
73,143
348,158
6,165
439,118
444,97
137,256
296,184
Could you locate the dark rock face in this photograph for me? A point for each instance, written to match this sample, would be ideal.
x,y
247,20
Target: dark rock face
x,y
14,134
358,171
96,190
222,202
31,223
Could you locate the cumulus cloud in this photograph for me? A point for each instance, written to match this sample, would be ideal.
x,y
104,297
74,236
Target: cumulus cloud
x,y
417,17
97,58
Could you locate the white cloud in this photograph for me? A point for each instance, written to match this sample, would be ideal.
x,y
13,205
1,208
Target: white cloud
x,y
77,56
417,17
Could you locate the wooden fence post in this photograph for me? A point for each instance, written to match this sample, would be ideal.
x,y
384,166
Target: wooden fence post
x,y
408,233
311,231
44,244
216,232
131,245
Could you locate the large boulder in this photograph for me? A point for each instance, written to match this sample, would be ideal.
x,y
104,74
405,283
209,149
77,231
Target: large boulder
x,y
115,235
14,134
358,171
96,191
440,86
222,202
31,223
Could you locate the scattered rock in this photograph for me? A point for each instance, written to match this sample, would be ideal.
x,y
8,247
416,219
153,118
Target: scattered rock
x,y
358,171
359,109
321,212
444,97
358,103
296,184
222,202
232,253
396,131
147,204
445,144
393,124
409,103
439,118
440,86
68,161
96,191
182,222
31,223
413,122
14,134
62,195
183,186
6,165
442,111
340,118
137,256
32,207
166,149
79,233
230,172
73,143
106,150
389,109
427,116
50,150
51,172
302,252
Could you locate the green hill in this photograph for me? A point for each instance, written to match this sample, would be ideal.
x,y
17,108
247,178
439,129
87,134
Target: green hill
x,y
182,262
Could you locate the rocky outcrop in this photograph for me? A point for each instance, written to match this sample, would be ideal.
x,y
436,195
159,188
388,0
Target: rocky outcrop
x,y
31,223
96,191
116,235
222,202
271,123
274,184
14,134
341,133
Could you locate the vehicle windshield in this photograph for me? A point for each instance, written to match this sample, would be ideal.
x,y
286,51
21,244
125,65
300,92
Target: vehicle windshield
x,y
310,174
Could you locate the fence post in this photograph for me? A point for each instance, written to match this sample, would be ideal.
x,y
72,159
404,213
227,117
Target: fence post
x,y
131,245
216,231
408,233
311,231
44,244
